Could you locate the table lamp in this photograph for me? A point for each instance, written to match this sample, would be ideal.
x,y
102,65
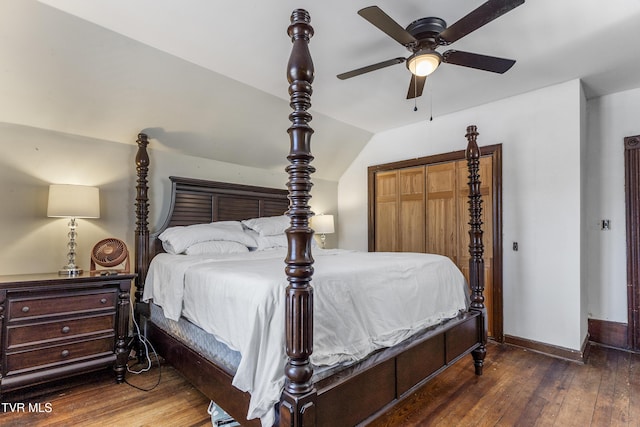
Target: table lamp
x,y
323,225
73,202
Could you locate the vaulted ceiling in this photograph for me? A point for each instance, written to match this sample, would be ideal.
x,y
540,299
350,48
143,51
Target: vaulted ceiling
x,y
207,77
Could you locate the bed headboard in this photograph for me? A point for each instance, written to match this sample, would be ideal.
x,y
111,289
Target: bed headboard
x,y
196,201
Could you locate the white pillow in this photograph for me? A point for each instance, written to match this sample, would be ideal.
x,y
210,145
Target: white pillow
x,y
268,225
175,240
216,247
269,242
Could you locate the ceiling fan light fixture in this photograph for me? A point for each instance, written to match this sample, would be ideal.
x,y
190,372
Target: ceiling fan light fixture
x,y
424,62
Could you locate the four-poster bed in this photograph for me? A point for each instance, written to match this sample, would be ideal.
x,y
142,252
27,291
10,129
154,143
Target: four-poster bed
x,y
347,394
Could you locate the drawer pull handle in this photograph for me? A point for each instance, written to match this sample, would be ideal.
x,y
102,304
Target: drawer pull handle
x,y
25,309
103,301
66,329
65,353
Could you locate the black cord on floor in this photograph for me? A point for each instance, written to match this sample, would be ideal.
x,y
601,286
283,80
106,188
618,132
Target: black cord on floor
x,y
157,382
145,369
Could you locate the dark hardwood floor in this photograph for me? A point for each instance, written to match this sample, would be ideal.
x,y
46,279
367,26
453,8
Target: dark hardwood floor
x,y
523,388
518,388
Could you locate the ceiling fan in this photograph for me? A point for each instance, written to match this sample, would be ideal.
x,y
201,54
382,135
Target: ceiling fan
x,y
423,36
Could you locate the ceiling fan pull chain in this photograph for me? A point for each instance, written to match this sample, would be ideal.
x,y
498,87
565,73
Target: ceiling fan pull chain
x,y
415,93
430,105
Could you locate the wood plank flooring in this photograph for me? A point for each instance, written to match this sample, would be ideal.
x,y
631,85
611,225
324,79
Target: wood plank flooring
x,y
518,388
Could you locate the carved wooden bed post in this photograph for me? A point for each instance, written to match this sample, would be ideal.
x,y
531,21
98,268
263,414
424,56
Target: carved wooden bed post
x,y
142,228
476,248
297,406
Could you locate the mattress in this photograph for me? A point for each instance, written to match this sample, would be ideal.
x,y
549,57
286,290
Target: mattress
x,y
362,302
197,339
215,351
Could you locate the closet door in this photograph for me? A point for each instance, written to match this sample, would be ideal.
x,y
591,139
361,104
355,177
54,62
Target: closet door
x,y
400,210
386,212
412,209
442,232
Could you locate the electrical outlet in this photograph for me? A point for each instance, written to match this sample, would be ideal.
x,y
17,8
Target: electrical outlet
x,y
515,246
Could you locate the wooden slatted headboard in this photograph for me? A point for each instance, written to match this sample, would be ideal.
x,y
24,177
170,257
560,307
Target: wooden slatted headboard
x,y
195,201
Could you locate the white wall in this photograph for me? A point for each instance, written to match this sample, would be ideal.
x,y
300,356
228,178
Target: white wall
x,y
31,159
540,133
610,119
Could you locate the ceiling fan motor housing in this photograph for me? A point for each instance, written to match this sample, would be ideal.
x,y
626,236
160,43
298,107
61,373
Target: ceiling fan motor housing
x,y
426,31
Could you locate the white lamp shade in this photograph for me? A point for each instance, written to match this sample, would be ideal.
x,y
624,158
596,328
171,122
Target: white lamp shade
x,y
73,201
323,224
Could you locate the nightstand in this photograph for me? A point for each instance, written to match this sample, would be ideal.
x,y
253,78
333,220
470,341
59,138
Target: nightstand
x,y
53,327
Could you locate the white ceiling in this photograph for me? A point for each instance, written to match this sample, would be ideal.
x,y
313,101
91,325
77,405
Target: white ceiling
x,y
207,77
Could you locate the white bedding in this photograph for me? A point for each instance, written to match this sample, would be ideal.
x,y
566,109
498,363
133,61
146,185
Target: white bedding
x,y
362,302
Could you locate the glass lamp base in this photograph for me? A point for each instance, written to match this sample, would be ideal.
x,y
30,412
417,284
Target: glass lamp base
x,y
70,271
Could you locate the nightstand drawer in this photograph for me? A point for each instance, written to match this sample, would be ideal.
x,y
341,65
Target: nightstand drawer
x,y
59,354
51,305
53,327
46,332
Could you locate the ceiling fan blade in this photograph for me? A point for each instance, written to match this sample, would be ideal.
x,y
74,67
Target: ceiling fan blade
x,y
370,68
386,24
480,62
482,15
416,86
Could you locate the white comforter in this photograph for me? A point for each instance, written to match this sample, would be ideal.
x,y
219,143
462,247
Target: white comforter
x,y
362,302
